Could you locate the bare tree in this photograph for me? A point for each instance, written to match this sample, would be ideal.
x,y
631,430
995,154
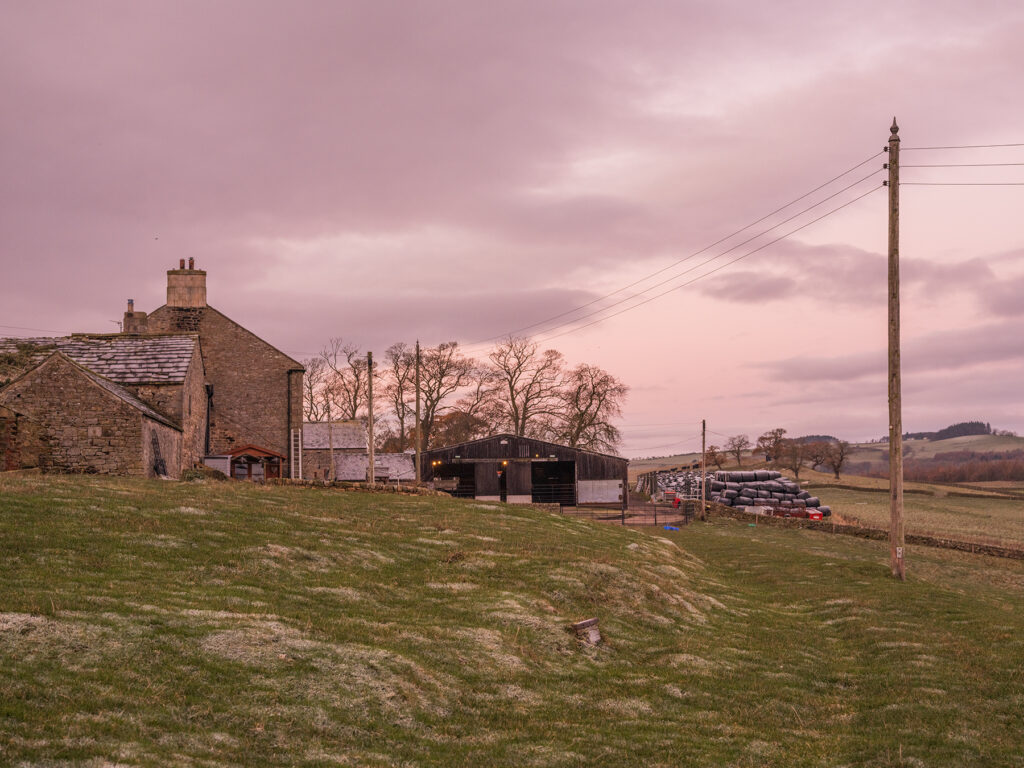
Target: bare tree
x,y
400,389
457,426
347,378
817,453
589,399
838,454
314,398
526,395
736,445
714,455
768,443
444,370
791,456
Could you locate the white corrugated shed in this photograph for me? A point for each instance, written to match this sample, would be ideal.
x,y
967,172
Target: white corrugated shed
x,y
392,466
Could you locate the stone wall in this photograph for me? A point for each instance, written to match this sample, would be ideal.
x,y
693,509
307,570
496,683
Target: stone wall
x,y
315,461
257,393
23,443
161,449
89,429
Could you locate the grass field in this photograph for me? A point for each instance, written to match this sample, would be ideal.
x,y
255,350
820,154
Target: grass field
x,y
149,623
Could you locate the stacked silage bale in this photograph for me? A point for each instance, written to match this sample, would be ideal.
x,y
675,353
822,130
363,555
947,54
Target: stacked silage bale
x,y
763,488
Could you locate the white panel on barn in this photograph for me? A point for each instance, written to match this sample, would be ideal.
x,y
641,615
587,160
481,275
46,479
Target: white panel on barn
x,y
598,491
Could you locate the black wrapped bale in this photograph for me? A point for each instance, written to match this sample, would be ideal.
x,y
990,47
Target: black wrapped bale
x,y
725,501
749,477
803,495
762,474
764,494
743,501
733,486
716,485
786,503
825,511
775,475
813,502
730,494
799,503
778,495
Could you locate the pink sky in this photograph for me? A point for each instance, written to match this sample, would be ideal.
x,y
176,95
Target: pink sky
x,y
458,170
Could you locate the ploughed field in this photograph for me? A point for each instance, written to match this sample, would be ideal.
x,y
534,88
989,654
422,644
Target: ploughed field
x,y
156,623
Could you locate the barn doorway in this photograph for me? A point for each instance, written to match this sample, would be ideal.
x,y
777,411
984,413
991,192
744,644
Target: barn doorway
x,y
457,479
554,482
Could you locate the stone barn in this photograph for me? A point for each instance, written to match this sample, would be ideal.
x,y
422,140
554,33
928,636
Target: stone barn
x,y
93,424
521,470
106,403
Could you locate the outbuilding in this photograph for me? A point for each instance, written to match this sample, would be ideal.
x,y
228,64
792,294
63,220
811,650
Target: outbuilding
x,y
522,470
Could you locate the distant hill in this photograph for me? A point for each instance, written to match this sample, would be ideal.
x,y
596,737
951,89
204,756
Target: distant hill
x,y
961,429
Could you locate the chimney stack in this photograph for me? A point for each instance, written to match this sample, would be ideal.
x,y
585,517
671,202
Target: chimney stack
x,y
186,287
134,322
181,264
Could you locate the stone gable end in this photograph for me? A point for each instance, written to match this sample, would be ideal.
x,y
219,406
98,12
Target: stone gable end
x,y
88,427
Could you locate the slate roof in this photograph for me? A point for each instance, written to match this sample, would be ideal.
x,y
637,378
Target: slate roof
x,y
347,435
155,359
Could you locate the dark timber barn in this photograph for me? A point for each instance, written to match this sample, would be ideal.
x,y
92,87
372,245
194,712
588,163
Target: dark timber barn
x,y
521,470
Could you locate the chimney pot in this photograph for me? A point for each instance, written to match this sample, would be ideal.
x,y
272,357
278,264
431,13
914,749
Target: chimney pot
x,y
131,305
181,264
191,263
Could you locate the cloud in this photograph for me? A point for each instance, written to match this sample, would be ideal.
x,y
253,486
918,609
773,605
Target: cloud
x,y
930,353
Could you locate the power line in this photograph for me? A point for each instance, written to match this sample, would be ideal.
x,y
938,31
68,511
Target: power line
x,y
960,165
710,272
694,254
704,263
962,183
963,146
665,445
23,328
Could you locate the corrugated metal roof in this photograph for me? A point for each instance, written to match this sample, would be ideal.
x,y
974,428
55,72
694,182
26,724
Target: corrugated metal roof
x,y
347,435
125,359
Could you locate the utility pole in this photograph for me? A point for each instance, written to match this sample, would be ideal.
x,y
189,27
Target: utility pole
x,y
330,441
419,468
370,474
703,470
896,539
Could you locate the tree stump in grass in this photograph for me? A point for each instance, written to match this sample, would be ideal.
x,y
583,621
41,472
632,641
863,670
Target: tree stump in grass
x,y
587,631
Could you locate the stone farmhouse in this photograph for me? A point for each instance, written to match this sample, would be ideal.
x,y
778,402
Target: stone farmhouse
x,y
178,385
